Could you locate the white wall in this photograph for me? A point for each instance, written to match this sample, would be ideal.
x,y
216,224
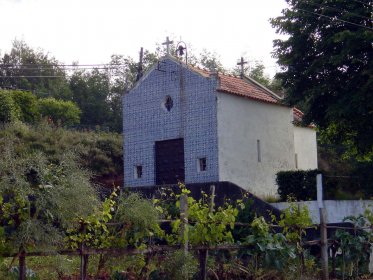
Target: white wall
x,y
241,122
336,210
305,147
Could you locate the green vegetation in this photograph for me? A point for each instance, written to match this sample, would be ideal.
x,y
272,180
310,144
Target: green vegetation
x,y
327,60
97,92
61,112
99,152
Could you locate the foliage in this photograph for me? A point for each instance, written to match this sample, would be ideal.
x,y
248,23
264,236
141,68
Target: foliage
x,y
300,184
27,103
207,226
23,66
90,92
64,113
246,214
294,221
133,222
268,251
327,60
97,151
93,230
140,221
355,246
40,197
179,265
26,107
9,111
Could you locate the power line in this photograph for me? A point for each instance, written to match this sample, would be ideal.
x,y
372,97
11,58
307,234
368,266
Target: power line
x,y
11,77
357,1
335,18
336,9
40,76
65,65
51,69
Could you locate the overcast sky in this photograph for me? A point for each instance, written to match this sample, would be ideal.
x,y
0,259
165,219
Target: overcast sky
x,y
90,31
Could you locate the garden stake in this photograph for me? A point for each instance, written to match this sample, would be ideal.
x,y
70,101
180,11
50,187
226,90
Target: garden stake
x,y
22,265
323,231
184,221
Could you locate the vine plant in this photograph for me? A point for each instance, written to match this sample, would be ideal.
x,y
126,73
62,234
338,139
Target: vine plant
x,y
206,226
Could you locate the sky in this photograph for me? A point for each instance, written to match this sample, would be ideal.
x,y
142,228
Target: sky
x,y
90,31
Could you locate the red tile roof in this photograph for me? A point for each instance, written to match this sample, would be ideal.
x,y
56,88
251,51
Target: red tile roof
x,y
298,115
244,88
237,86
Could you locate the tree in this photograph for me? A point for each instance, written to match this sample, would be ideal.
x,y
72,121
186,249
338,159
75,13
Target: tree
x,y
327,60
90,92
28,69
61,112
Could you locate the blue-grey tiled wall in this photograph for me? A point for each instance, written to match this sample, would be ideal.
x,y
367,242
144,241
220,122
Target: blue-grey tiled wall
x,y
193,117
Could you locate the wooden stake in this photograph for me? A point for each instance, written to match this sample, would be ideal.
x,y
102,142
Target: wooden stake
x,y
204,254
323,230
184,221
22,266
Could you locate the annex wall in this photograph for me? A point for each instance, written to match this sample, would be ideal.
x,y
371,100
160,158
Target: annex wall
x,y
192,117
255,142
305,148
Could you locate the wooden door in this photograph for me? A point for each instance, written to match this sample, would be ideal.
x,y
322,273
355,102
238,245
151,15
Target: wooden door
x,y
169,161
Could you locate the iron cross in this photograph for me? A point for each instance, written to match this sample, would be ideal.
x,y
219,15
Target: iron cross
x,y
242,63
168,43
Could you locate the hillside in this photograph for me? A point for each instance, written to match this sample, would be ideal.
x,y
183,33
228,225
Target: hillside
x,y
99,152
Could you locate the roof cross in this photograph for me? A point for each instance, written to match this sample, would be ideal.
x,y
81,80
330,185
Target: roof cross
x,y
168,43
242,63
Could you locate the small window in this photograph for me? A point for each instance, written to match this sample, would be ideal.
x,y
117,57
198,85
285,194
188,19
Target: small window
x,y
202,164
168,103
258,150
138,171
296,161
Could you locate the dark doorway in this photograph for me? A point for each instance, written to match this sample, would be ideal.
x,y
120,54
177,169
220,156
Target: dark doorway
x,y
169,161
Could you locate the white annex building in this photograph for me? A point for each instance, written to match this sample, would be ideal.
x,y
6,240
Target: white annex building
x,y
183,123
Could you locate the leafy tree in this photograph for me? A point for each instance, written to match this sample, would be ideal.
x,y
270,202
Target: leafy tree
x,y
255,72
29,69
123,78
27,103
90,93
327,60
59,111
8,109
210,60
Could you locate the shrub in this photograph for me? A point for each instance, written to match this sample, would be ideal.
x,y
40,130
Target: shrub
x,y
9,111
300,184
27,103
65,112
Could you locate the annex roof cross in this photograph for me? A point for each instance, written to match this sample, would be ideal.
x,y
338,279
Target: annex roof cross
x,y
242,63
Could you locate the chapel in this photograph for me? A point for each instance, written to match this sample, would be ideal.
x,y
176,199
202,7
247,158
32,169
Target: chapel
x,y
192,125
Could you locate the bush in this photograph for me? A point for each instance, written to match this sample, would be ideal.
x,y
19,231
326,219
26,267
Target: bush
x,y
300,184
65,112
27,103
9,111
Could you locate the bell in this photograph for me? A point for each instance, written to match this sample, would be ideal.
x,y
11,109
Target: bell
x,y
181,50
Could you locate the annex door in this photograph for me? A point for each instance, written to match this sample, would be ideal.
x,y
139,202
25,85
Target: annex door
x,y
169,161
